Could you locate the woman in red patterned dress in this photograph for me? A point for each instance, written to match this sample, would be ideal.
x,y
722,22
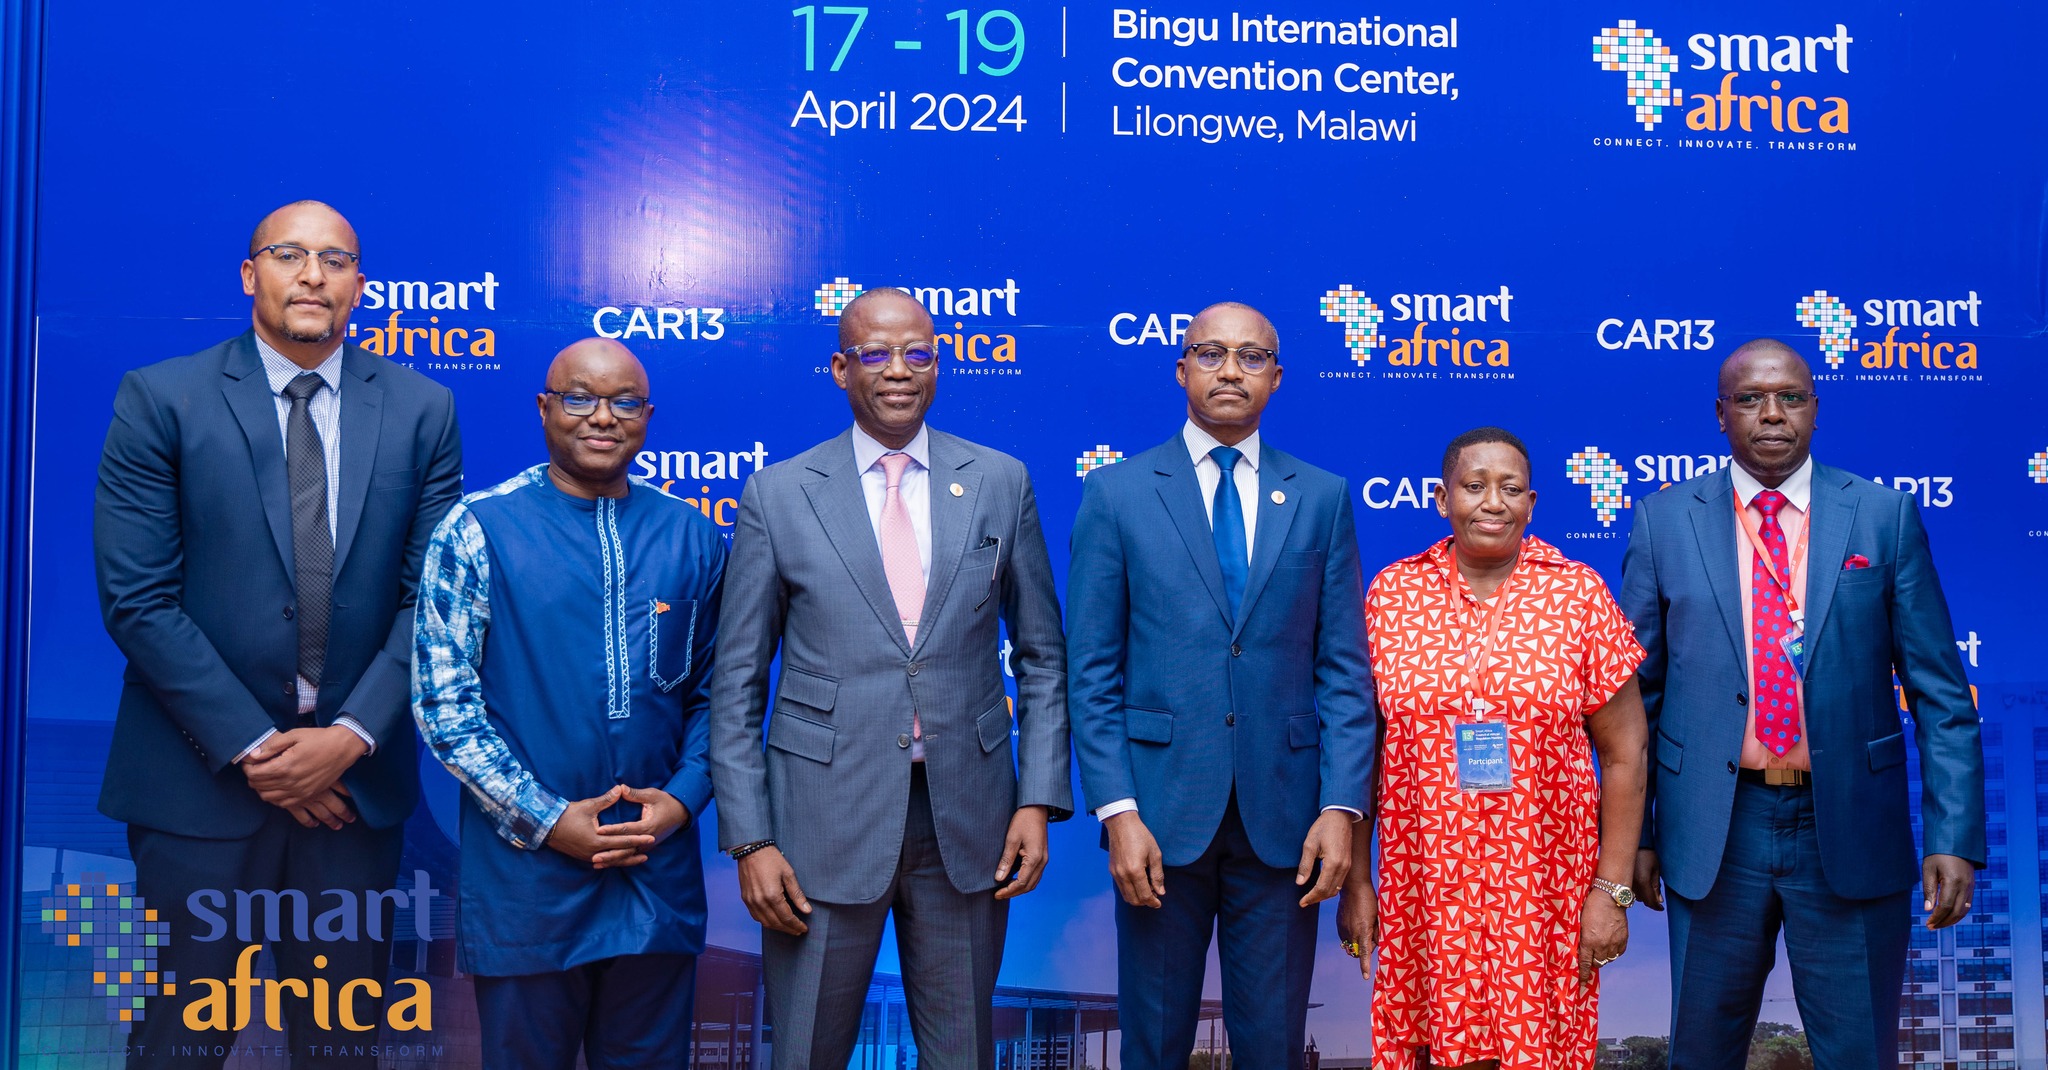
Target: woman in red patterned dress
x,y
1504,865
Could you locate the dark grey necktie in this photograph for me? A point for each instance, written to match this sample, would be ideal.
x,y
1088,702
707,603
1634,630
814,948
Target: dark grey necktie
x,y
312,543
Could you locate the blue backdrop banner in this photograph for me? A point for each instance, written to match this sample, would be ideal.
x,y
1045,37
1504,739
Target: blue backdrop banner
x,y
1558,218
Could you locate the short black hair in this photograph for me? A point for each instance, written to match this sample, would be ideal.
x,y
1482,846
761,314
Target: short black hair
x,y
1480,436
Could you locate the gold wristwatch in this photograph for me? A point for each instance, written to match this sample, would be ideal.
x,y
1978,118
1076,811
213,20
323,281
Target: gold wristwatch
x,y
1623,895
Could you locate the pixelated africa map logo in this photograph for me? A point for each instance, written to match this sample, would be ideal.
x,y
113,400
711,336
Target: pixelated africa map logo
x,y
122,936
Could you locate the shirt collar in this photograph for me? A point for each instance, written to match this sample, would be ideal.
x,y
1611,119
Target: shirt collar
x,y
280,370
1200,442
866,451
1797,487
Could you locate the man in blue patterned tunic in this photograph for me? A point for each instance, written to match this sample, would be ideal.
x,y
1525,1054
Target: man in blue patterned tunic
x,y
563,657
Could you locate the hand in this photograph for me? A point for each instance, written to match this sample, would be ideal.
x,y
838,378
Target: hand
x,y
326,808
1947,883
577,834
661,814
1134,860
1330,840
769,887
291,767
1358,920
1026,846
1649,880
1603,933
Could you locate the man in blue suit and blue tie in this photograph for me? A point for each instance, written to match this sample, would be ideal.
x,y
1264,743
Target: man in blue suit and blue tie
x,y
1775,600
1222,706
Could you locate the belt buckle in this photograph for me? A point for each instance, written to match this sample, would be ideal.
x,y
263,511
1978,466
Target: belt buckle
x,y
1784,778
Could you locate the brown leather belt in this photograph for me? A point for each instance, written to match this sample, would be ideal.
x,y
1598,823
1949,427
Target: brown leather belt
x,y
1779,778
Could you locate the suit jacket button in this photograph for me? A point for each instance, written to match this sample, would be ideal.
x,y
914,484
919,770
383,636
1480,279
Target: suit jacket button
x,y
287,612
1229,719
903,741
1741,699
290,688
1731,767
913,668
1235,650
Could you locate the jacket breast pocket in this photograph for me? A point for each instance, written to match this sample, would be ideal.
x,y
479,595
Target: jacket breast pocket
x,y
801,736
1303,731
1868,576
1148,726
1299,559
671,640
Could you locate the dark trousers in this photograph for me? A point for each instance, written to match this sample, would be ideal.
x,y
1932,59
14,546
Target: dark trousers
x,y
281,855
950,944
632,1012
1848,955
1267,952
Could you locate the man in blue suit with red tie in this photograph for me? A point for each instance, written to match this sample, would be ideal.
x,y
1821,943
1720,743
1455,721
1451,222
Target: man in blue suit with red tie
x,y
1775,600
1222,706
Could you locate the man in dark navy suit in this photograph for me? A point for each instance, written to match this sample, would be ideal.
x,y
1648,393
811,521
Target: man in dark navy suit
x,y
258,528
1775,600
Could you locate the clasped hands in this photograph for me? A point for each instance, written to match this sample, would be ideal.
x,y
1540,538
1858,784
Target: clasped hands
x,y
769,886
300,772
579,834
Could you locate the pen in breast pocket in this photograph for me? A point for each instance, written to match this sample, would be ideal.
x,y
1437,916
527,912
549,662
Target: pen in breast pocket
x,y
998,544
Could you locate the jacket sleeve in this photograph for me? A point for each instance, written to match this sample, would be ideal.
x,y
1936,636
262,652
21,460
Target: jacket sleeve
x,y
1098,628
1031,610
1945,723
1345,707
750,617
1642,600
691,783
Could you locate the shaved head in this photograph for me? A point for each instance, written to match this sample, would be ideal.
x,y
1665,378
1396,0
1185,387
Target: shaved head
x,y
1756,349
858,315
1233,306
588,455
588,359
262,237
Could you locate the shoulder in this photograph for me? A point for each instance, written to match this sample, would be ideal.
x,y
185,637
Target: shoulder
x,y
1309,478
396,380
1550,562
1125,471
208,363
1407,570
987,459
688,521
498,498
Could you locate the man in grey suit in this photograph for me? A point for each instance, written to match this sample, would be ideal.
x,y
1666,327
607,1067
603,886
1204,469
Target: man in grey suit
x,y
879,563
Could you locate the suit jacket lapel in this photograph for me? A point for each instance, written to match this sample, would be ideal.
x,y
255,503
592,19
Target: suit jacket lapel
x,y
361,427
843,512
1181,493
1275,517
255,407
1713,523
1831,516
951,519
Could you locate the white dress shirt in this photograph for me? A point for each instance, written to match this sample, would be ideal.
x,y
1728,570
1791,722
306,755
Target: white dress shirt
x,y
1208,474
324,407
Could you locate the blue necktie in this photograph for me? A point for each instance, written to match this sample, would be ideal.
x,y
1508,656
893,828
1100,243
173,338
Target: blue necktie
x,y
1226,526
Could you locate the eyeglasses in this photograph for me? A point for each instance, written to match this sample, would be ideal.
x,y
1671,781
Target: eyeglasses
x,y
1209,356
919,355
294,257
1752,401
623,406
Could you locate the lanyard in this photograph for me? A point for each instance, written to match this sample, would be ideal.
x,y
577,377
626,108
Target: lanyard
x,y
1763,556
1475,664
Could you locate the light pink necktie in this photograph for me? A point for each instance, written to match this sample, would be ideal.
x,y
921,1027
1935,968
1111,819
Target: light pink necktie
x,y
904,567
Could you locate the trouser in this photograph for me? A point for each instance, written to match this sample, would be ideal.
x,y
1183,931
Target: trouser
x,y
1267,952
1848,956
950,944
282,856
630,1012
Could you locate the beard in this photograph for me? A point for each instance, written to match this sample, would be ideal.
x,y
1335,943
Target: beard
x,y
313,337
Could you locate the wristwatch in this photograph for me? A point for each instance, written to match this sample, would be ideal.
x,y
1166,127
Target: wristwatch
x,y
1623,895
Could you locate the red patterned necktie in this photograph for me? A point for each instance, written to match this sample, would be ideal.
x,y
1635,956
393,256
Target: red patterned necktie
x,y
1777,697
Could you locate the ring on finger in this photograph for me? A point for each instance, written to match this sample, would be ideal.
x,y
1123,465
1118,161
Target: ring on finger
x,y
1350,947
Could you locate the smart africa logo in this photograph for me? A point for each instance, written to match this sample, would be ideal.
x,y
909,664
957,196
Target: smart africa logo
x,y
1592,467
2037,467
1360,317
1099,457
124,935
1649,64
833,297
1835,322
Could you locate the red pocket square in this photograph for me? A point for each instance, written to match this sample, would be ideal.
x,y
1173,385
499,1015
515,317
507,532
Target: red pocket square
x,y
1856,561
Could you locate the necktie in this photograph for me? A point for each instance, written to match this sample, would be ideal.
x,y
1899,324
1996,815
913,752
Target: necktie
x,y
1777,706
312,541
904,567
1226,526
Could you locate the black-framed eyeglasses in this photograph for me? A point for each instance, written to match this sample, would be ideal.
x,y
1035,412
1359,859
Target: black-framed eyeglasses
x,y
1209,356
294,257
580,403
918,355
1752,400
